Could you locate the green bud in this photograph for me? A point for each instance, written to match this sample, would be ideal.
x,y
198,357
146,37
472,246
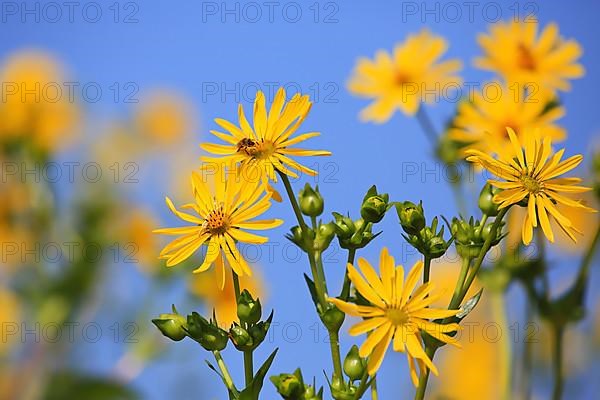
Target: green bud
x,y
311,201
259,331
208,334
172,326
412,217
289,386
470,236
486,203
333,318
374,206
325,234
341,391
241,338
248,309
301,238
354,365
344,226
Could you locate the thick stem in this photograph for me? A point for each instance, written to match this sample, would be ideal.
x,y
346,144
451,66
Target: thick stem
x,y
426,269
479,260
464,269
558,364
422,388
248,363
293,201
346,286
336,358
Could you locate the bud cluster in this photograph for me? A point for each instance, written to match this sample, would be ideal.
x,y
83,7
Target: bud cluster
x,y
471,235
426,239
292,387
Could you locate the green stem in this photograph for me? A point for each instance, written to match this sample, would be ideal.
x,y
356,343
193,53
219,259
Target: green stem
x,y
589,256
336,358
224,372
374,395
427,126
464,269
479,260
426,268
527,354
558,364
420,393
346,286
293,201
248,359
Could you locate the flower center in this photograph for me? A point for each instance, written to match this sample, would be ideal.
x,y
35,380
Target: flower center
x,y
217,222
397,316
531,184
401,78
256,149
525,58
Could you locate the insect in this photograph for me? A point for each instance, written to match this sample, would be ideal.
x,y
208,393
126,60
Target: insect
x,y
248,146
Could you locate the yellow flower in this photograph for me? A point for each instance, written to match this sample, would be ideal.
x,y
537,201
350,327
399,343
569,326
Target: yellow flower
x,y
397,313
266,144
516,52
223,301
404,79
40,105
531,173
221,218
164,118
483,121
138,241
10,314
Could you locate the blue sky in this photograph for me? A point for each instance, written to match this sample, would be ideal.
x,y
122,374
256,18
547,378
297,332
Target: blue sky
x,y
201,48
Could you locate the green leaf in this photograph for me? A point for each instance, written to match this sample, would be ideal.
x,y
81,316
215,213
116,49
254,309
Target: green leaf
x,y
74,385
313,291
469,305
252,391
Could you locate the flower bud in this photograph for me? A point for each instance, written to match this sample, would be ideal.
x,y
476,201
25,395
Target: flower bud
x,y
241,338
333,318
289,386
354,365
172,326
486,202
208,334
259,331
374,206
412,217
248,309
470,236
344,226
325,235
301,238
311,201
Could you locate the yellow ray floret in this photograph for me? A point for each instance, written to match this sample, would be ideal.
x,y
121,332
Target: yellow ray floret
x,y
530,175
397,313
267,144
224,208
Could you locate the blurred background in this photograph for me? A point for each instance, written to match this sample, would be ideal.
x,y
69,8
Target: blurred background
x,y
103,107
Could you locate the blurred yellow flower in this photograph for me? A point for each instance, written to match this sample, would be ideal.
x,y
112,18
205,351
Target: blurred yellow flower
x,y
405,79
37,104
164,118
470,373
530,172
397,313
483,121
225,204
10,314
138,241
206,287
516,52
267,144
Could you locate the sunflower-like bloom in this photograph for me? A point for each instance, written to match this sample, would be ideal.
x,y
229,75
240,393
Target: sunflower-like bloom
x,y
266,144
397,313
221,218
483,121
406,78
516,52
531,174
